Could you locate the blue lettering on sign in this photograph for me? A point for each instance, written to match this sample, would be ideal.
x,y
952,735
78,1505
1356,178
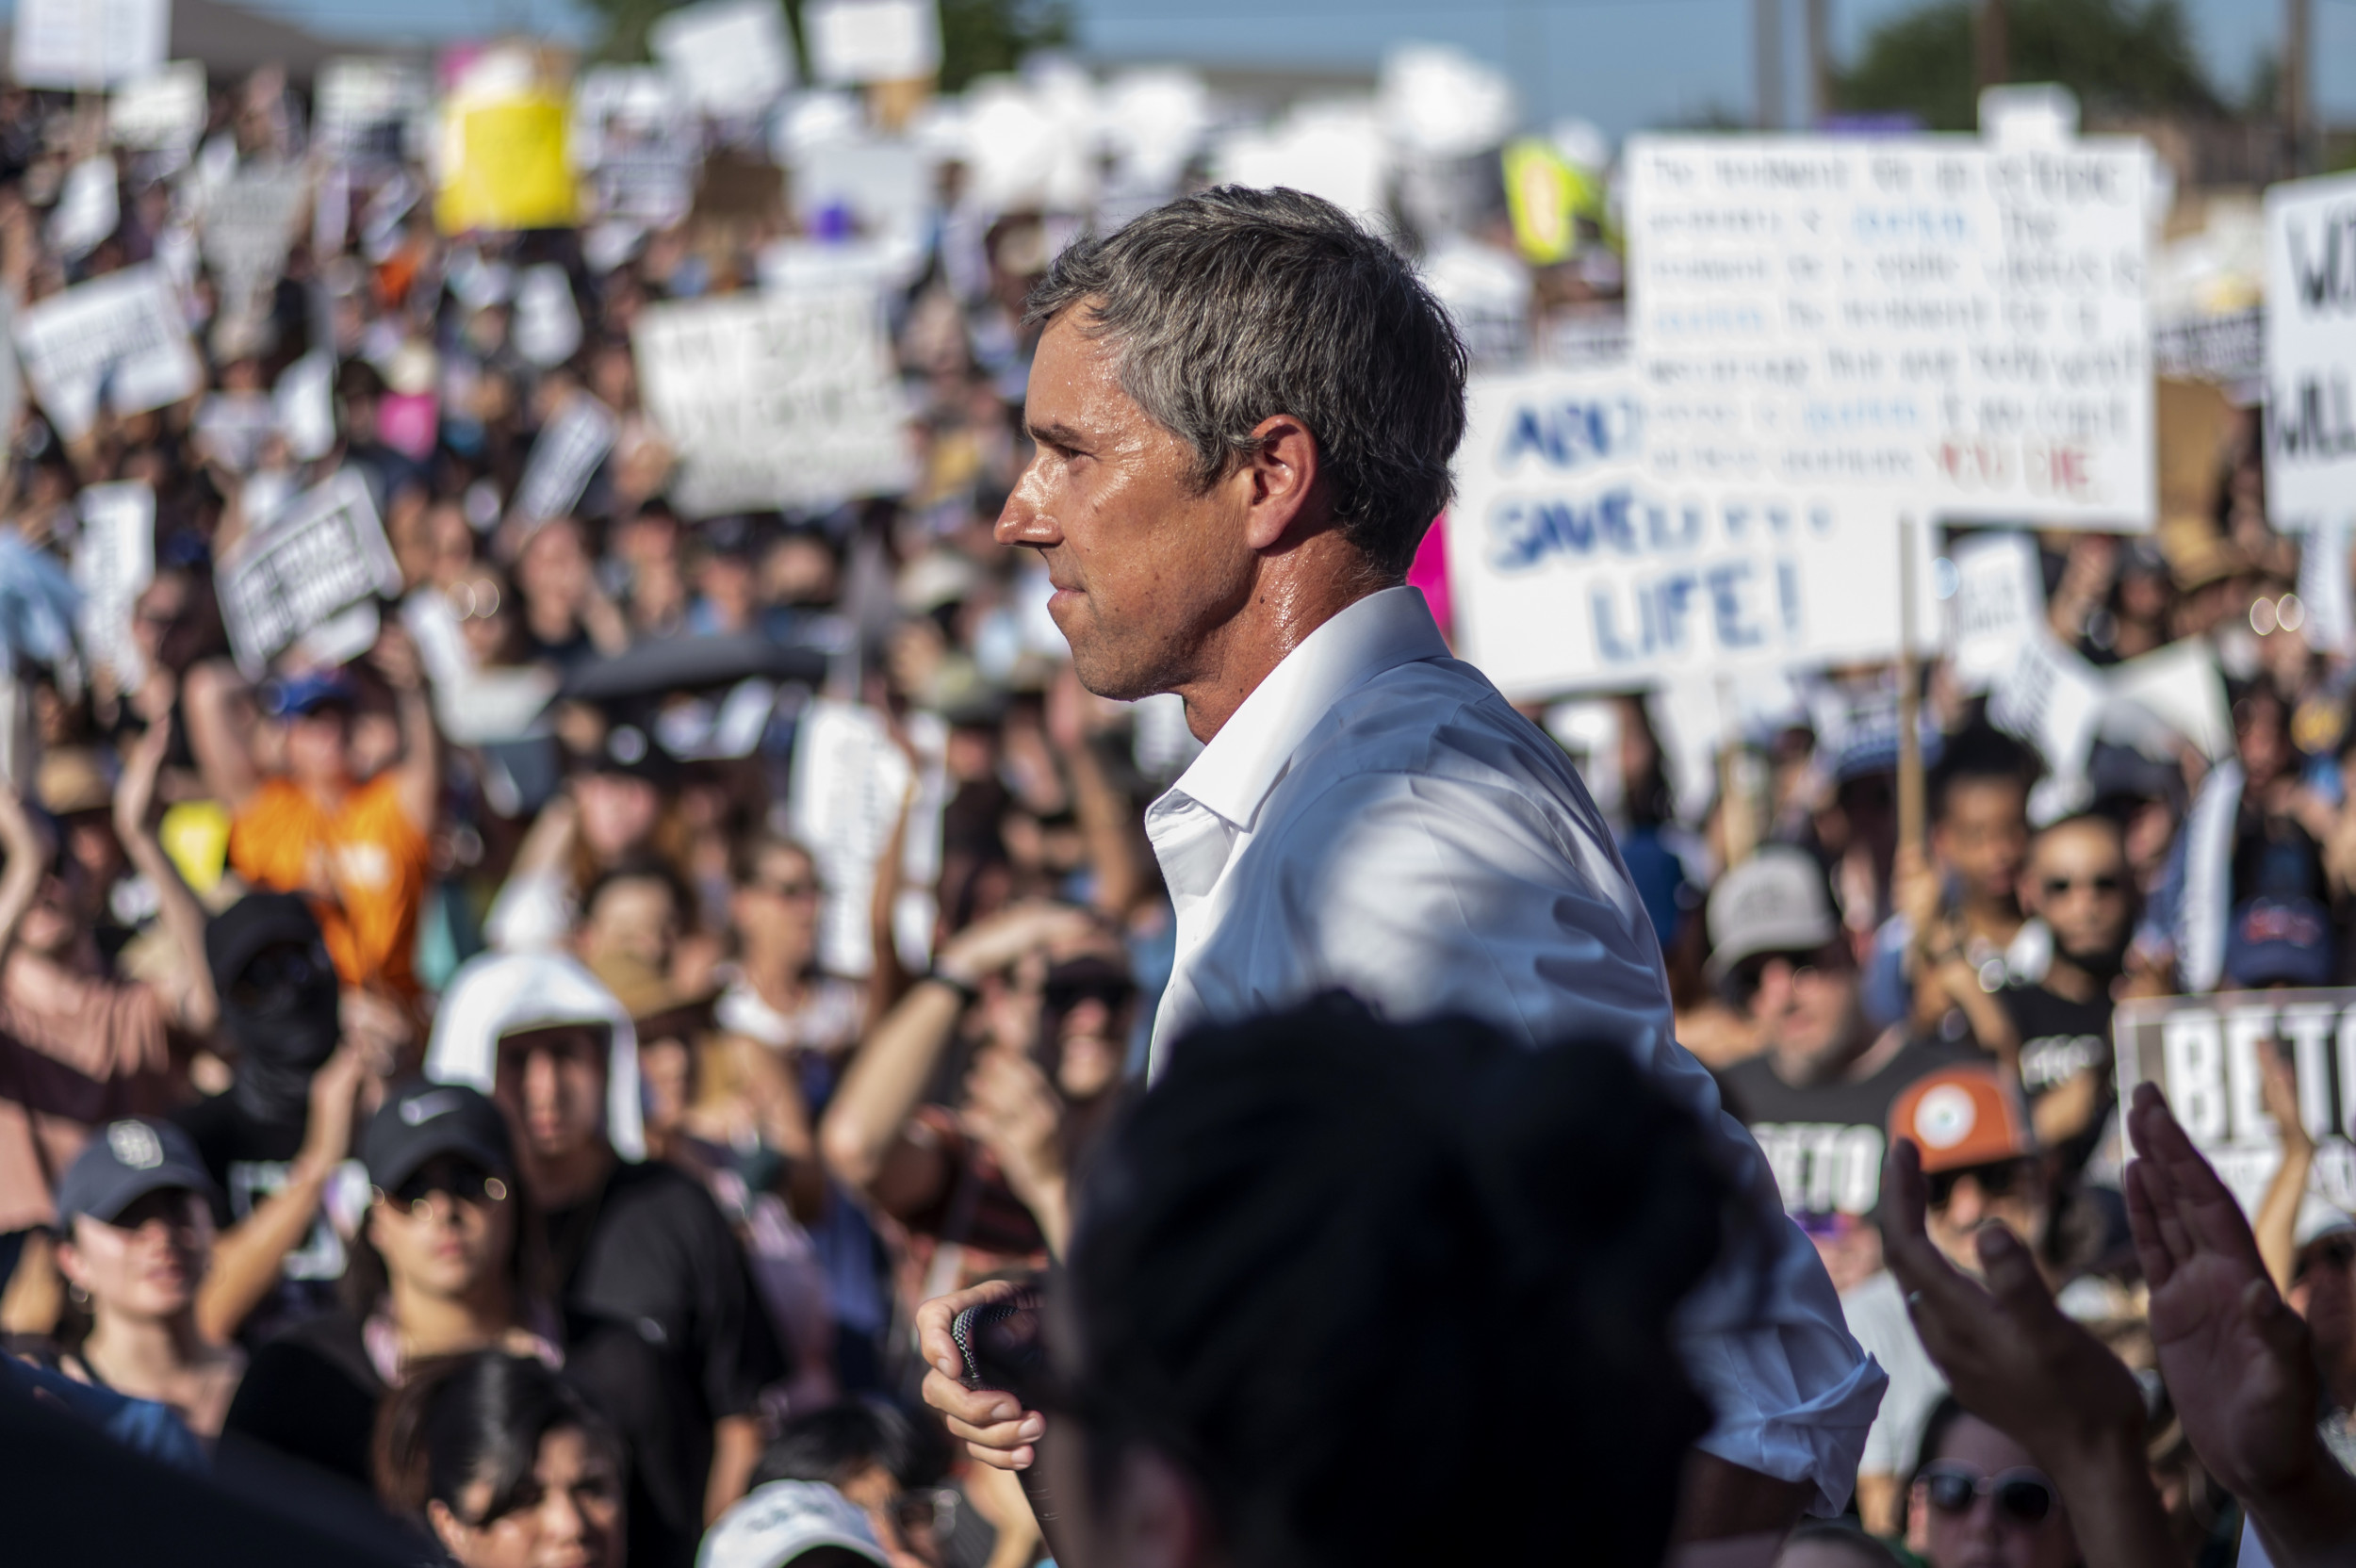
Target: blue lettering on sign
x,y
1736,629
1668,616
1571,433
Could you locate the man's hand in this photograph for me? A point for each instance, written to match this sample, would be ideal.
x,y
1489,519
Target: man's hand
x,y
395,658
335,1105
1010,1106
135,792
994,1427
2237,1360
1005,939
2014,1360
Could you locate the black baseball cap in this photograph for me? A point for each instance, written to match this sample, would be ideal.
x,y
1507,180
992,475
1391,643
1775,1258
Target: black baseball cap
x,y
255,921
123,1163
420,1122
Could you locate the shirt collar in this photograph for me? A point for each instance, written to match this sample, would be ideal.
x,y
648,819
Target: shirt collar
x,y
1247,756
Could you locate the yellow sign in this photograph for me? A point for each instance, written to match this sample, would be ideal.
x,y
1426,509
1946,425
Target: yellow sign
x,y
1546,195
504,166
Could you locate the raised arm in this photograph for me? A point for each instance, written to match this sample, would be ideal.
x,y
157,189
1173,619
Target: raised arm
x,y
2277,1225
250,1255
192,1001
418,776
29,846
1107,823
218,708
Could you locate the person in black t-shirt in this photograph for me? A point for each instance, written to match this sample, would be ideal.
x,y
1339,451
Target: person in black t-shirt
x,y
2078,883
437,1268
1817,1097
662,1324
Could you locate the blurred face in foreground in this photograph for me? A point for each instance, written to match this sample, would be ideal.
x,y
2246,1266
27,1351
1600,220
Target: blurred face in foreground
x,y
569,1516
2080,881
552,1085
1805,1008
1145,568
147,1264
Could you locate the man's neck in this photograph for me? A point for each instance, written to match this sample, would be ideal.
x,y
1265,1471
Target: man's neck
x,y
1995,919
775,977
1292,596
135,1353
444,1324
2070,982
570,1179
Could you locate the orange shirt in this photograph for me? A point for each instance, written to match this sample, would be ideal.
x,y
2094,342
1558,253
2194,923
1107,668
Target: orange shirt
x,y
364,866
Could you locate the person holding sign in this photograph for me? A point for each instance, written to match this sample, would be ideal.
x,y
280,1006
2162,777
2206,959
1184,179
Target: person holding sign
x,y
355,844
1244,407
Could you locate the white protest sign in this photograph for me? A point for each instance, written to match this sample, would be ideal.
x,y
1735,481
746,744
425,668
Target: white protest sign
x,y
849,784
121,335
71,44
774,399
1574,564
730,58
2203,1052
2311,350
89,205
2180,685
321,558
371,109
2052,698
546,321
114,558
634,131
1961,326
231,428
2324,586
852,41
247,223
1999,603
566,452
164,112
304,397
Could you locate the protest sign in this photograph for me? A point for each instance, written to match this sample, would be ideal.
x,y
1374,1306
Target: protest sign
x,y
247,223
2052,698
89,204
774,399
114,557
568,452
855,42
2203,1052
2311,350
2179,685
1999,603
160,113
81,44
320,558
304,398
504,165
231,428
730,58
371,110
1574,564
634,133
121,335
848,786
1926,315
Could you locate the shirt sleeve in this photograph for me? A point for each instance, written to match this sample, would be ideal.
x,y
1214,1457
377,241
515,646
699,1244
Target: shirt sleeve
x,y
1428,894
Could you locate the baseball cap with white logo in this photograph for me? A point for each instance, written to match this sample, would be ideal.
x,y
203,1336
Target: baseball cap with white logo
x,y
123,1163
420,1122
1962,1116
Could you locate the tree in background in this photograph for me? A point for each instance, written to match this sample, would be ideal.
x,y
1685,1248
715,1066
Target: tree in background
x,y
976,36
2118,56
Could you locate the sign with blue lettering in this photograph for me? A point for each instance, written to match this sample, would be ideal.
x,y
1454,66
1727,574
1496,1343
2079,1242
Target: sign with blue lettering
x,y
1576,563
2311,351
1927,317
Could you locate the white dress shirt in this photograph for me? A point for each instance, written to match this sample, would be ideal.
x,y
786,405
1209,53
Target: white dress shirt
x,y
1375,817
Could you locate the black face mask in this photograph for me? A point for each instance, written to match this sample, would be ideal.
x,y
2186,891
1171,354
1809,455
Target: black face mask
x,y
284,1033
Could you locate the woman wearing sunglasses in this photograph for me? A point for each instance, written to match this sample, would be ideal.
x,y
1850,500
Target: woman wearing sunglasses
x,y
437,1268
1979,1500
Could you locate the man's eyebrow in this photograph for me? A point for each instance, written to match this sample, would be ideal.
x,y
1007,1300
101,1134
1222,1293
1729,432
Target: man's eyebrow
x,y
1054,433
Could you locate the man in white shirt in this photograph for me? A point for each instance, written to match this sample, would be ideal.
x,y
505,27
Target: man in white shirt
x,y
1244,408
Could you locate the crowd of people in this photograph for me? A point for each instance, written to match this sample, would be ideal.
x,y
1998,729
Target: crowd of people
x,y
485,1147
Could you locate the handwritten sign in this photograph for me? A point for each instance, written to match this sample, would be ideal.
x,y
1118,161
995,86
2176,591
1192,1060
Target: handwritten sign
x,y
2203,1053
120,335
849,783
731,57
563,456
774,399
1575,563
371,110
855,42
635,133
114,558
320,557
2311,350
74,44
1927,315
505,165
248,225
1999,604
163,112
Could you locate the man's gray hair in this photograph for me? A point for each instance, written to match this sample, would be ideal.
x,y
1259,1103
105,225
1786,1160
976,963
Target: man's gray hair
x,y
1235,304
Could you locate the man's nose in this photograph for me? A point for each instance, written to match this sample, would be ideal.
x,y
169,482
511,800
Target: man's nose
x,y
1023,520
1967,1206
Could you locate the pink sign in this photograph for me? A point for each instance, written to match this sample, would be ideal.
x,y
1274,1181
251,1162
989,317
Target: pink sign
x,y
1430,573
407,422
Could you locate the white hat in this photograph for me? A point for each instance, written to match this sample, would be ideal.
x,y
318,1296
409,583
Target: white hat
x,y
2318,1219
500,993
778,1522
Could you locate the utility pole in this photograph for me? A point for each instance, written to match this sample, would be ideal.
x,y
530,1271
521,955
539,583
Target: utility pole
x,y
1819,61
1995,49
2297,29
1767,41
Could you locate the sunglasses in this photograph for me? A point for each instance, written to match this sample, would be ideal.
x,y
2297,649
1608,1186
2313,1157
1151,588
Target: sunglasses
x,y
1826,963
789,890
1995,1181
2024,1496
464,1183
2334,1252
2105,886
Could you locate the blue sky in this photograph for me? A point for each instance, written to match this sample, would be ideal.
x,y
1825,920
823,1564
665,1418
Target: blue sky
x,y
1622,63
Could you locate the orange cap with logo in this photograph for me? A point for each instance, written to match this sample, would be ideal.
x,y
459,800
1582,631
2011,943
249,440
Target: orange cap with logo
x,y
1963,1115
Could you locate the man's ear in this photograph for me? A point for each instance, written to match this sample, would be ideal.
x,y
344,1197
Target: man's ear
x,y
447,1529
1282,475
1159,1518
